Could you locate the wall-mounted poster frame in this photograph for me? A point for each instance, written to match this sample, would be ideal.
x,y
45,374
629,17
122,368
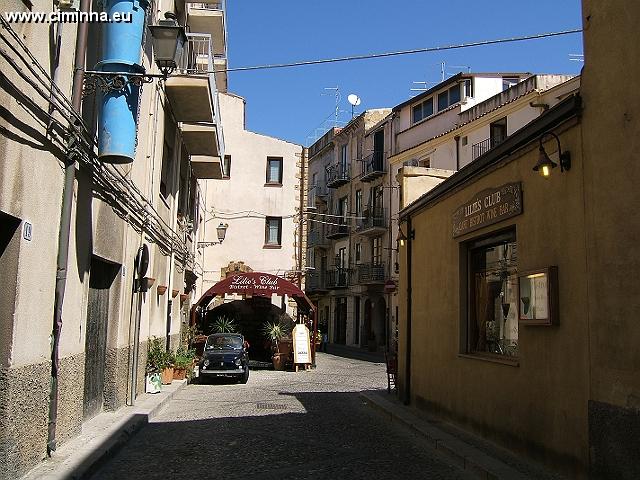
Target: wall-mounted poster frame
x,y
538,296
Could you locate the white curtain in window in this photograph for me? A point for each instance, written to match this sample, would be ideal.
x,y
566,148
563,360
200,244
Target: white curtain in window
x,y
274,171
273,231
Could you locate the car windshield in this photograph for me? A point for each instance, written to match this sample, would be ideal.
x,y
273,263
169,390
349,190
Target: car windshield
x,y
222,342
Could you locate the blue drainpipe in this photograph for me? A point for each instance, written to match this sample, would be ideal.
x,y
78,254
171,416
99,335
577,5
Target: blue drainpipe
x,y
121,52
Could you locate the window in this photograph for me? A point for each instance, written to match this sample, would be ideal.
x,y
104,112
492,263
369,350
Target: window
x,y
274,170
343,160
311,195
341,258
227,166
492,325
168,154
342,209
376,251
449,97
273,231
468,87
508,82
422,110
358,203
358,252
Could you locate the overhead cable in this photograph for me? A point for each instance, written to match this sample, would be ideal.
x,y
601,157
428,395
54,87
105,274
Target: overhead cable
x,y
406,52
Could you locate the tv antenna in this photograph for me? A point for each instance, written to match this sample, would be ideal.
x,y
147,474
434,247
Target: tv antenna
x,y
576,57
337,96
354,100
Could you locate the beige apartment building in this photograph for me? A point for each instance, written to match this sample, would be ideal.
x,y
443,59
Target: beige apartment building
x,y
259,198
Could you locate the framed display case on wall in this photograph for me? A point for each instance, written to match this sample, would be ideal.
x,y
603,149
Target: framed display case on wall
x,y
538,296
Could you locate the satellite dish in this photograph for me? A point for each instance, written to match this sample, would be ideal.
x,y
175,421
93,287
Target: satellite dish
x,y
354,99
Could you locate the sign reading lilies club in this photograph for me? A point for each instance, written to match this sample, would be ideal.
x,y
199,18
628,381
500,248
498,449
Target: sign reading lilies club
x,y
488,207
253,283
256,283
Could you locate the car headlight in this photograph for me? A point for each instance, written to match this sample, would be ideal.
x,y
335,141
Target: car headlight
x,y
206,362
238,361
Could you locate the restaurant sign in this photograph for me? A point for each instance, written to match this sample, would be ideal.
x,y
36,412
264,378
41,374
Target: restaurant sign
x,y
488,207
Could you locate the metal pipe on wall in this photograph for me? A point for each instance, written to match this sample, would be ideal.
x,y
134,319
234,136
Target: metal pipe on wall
x,y
407,372
65,230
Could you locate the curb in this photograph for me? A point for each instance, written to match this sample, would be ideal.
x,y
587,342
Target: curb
x,y
83,456
461,454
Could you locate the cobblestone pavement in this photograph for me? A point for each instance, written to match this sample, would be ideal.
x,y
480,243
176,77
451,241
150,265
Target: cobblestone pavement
x,y
280,425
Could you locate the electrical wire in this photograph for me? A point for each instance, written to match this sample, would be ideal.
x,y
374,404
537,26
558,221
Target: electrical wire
x,y
406,52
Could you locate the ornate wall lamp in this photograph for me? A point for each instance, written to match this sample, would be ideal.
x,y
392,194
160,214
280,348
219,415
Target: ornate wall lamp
x,y
545,164
402,237
221,230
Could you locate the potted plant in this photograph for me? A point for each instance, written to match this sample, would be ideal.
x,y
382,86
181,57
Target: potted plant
x,y
167,368
223,324
183,362
155,364
276,331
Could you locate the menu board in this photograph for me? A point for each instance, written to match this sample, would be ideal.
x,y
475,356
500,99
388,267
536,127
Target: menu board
x,y
301,344
537,291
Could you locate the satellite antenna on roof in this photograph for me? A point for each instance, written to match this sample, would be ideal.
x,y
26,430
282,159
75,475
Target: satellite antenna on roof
x,y
354,100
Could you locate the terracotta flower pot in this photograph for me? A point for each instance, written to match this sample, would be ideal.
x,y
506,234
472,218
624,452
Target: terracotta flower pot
x,y
278,360
167,376
179,373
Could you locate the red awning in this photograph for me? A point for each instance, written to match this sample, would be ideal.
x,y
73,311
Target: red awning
x,y
256,284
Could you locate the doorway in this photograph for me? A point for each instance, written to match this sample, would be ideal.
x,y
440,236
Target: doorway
x,y
101,279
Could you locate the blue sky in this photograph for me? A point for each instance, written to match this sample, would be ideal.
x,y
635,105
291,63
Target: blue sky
x,y
292,103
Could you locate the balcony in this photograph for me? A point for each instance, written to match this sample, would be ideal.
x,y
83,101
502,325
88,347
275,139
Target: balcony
x,y
338,231
374,222
338,175
209,17
316,282
338,278
480,148
370,274
373,167
194,102
316,238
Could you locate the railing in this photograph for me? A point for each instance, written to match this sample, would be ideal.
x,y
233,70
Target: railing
x,y
337,175
208,6
197,57
373,166
371,273
315,281
338,229
338,277
316,238
480,148
373,218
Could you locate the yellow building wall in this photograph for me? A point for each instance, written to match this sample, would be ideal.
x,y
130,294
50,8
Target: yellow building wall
x,y
540,405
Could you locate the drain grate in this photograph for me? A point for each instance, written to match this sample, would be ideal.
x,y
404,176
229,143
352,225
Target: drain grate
x,y
271,406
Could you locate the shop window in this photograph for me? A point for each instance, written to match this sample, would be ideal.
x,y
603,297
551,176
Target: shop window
x,y
492,301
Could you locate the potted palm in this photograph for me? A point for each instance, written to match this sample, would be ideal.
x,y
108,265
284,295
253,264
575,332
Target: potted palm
x,y
276,331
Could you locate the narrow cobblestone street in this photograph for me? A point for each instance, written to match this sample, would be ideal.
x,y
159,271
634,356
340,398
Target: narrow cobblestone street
x,y
311,424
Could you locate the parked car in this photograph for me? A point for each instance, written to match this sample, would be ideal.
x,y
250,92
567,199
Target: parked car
x,y
225,355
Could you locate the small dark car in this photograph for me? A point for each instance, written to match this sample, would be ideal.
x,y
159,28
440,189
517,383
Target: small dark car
x,y
225,355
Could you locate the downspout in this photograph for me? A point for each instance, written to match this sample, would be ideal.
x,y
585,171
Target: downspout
x,y
174,223
65,230
457,139
407,372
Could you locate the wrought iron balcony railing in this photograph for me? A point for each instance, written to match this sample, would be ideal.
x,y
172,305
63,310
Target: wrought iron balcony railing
x,y
316,281
373,166
338,175
339,230
480,148
338,277
370,273
374,220
317,238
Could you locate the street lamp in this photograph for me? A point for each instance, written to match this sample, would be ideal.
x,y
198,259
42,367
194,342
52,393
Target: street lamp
x,y
545,164
168,43
221,230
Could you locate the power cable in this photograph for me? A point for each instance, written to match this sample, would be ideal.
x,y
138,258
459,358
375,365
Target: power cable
x,y
405,52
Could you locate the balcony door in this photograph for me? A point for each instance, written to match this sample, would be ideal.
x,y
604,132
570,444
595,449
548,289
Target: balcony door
x,y
378,150
498,132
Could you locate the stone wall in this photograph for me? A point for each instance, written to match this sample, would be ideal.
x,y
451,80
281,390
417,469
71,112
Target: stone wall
x,y
70,398
24,410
